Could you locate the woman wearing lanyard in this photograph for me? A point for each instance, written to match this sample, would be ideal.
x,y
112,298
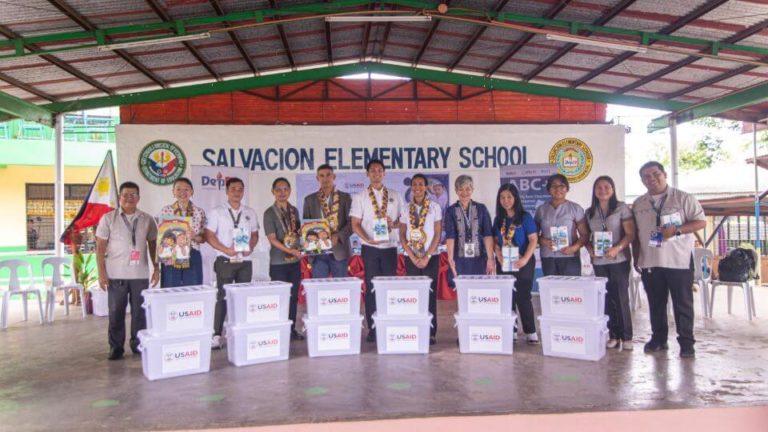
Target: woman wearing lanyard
x,y
516,240
468,234
191,272
420,227
612,230
563,230
281,225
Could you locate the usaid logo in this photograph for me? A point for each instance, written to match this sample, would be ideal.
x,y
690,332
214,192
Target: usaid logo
x,y
483,337
266,343
484,300
263,307
181,355
329,301
567,300
568,339
333,336
218,182
185,314
403,300
401,337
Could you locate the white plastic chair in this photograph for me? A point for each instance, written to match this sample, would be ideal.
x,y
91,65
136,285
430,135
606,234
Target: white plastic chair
x,y
15,288
701,279
59,284
749,295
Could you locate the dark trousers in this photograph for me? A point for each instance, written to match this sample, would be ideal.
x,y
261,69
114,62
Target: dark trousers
x,y
617,299
430,271
290,273
324,266
121,291
377,262
227,272
171,276
566,266
659,283
522,297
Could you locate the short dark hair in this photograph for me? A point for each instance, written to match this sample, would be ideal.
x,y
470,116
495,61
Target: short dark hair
x,y
184,180
233,180
324,167
278,180
128,185
374,162
651,164
420,176
563,179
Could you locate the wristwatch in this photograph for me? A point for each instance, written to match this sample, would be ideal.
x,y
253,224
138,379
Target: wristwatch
x,y
678,233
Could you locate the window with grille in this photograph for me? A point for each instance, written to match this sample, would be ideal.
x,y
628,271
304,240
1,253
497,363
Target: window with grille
x,y
40,213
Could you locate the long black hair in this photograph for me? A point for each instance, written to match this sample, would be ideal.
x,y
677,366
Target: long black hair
x,y
613,202
501,213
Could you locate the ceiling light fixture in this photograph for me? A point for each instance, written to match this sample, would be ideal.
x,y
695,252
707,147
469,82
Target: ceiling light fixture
x,y
597,43
366,18
150,42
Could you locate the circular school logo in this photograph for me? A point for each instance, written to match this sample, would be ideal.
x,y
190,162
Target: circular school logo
x,y
572,157
162,162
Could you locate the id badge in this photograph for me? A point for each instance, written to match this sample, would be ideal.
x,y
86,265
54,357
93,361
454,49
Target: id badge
x,y
469,250
241,239
134,258
656,239
509,255
380,230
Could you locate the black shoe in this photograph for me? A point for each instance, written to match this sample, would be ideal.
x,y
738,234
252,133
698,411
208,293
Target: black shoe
x,y
653,347
432,340
687,352
115,353
135,349
296,336
371,336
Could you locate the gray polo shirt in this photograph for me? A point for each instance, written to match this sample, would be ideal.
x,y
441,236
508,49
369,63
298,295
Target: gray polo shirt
x,y
613,223
568,214
113,229
674,252
272,225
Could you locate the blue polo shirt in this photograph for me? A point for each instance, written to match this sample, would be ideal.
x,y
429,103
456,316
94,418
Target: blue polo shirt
x,y
521,232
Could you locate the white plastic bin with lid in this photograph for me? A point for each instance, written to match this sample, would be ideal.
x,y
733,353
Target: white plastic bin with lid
x,y
249,344
333,336
572,296
179,309
328,297
100,301
402,334
479,334
172,355
402,295
485,294
257,302
582,339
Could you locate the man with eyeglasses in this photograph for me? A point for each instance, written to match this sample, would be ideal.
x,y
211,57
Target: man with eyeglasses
x,y
125,246
666,220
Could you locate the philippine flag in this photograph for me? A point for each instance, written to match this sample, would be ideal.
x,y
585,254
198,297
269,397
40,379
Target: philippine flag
x,y
102,198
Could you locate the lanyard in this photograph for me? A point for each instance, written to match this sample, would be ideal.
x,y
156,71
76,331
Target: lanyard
x,y
467,221
131,229
602,217
236,222
658,210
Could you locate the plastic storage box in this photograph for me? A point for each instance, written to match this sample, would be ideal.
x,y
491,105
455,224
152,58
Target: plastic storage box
x,y
485,295
572,296
402,334
333,296
172,355
257,302
333,336
180,309
100,301
402,295
258,343
576,339
486,335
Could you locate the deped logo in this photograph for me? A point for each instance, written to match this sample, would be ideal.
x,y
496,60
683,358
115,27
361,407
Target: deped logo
x,y
217,182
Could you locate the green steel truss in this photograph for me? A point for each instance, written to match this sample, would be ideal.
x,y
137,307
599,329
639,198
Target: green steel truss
x,y
12,107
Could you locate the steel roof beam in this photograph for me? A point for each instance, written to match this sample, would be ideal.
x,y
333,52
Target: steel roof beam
x,y
27,88
668,29
12,107
216,4
428,39
479,32
284,38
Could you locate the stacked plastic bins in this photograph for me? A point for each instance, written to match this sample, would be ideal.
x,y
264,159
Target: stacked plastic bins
x,y
177,340
485,319
333,321
402,319
573,320
258,329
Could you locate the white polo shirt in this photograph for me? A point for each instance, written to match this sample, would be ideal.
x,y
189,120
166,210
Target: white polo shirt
x,y
362,208
434,214
220,223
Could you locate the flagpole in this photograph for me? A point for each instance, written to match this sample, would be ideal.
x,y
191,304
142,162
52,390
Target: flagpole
x,y
58,191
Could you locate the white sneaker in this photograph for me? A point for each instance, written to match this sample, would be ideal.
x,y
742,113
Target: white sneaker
x,y
532,338
217,342
627,345
612,343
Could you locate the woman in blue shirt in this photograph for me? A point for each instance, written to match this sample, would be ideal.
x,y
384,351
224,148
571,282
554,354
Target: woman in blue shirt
x,y
517,237
468,234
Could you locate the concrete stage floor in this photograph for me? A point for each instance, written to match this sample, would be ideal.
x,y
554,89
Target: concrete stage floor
x,y
56,377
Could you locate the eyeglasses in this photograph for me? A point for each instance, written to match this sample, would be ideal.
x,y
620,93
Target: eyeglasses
x,y
129,195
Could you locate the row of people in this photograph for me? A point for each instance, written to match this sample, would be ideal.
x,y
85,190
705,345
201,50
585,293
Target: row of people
x,y
658,228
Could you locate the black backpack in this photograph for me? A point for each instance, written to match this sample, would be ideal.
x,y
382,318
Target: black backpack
x,y
738,266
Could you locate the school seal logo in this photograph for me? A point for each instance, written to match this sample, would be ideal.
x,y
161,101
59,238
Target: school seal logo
x,y
162,162
573,159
